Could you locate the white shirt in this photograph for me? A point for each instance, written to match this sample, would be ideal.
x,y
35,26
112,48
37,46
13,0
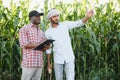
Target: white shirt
x,y
62,47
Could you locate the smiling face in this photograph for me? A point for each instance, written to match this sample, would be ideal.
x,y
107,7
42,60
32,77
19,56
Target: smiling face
x,y
35,19
54,19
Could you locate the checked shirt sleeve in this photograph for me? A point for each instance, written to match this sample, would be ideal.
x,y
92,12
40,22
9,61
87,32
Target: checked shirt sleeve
x,y
23,38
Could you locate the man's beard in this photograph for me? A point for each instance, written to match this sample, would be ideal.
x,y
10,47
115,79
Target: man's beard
x,y
35,22
54,22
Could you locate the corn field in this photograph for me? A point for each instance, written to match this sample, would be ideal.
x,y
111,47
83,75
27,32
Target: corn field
x,y
96,45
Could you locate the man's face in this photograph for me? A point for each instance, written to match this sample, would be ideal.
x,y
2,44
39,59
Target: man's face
x,y
35,19
55,19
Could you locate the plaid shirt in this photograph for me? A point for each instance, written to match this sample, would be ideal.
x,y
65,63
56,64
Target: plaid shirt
x,y
30,57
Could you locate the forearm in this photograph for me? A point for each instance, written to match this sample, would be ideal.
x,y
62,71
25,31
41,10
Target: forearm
x,y
85,19
48,58
89,15
31,45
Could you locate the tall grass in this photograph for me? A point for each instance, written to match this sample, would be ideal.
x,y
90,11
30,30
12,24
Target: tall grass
x,y
96,45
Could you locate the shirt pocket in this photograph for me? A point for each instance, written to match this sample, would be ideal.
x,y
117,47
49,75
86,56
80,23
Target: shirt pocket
x,y
32,36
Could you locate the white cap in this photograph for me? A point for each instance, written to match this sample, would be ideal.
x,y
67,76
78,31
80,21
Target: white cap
x,y
52,12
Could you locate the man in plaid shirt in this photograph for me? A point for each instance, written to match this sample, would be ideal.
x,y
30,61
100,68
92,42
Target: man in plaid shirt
x,y
30,36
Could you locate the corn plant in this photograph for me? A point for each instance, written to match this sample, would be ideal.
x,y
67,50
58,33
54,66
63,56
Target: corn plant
x,y
10,22
96,45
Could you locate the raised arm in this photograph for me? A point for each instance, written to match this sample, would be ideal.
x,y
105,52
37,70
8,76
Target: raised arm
x,y
78,23
89,15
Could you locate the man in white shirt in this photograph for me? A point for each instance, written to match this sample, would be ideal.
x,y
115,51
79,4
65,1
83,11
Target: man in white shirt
x,y
62,49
